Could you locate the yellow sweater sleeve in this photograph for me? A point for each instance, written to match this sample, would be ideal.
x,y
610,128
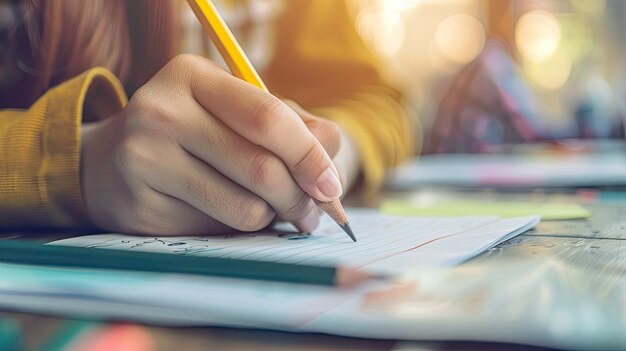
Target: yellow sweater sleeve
x,y
322,63
40,152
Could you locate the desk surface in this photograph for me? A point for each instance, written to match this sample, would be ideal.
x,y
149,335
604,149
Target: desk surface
x,y
598,244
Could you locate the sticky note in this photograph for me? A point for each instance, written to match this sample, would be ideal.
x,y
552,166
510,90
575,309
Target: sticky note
x,y
455,208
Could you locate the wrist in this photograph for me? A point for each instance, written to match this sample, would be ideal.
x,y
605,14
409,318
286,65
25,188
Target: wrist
x,y
95,138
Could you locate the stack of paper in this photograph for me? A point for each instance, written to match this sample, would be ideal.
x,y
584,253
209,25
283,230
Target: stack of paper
x,y
539,303
470,302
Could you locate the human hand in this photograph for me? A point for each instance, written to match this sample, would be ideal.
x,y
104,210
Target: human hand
x,y
198,151
339,145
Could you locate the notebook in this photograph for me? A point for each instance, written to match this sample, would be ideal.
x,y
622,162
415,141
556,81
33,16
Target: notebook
x,y
386,244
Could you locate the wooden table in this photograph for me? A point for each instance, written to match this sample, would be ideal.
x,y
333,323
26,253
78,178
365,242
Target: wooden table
x,y
599,242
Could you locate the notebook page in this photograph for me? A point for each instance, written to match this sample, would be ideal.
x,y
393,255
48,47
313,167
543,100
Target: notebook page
x,y
380,237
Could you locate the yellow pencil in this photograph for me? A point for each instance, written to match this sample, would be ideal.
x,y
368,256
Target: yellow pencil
x,y
225,41
240,66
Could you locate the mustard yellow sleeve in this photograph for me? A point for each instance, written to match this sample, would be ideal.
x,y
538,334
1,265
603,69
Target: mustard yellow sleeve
x,y
322,63
40,152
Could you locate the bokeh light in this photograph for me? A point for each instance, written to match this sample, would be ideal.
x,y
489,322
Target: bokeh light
x,y
460,38
558,47
399,5
551,74
383,30
537,35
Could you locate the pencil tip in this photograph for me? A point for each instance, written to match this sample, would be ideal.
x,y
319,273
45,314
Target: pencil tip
x,y
346,228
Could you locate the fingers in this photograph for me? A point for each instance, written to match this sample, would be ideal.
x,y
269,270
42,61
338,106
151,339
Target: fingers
x,y
266,121
325,131
251,166
164,215
204,188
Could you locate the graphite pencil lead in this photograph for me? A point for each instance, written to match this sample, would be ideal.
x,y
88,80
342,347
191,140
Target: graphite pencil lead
x,y
346,228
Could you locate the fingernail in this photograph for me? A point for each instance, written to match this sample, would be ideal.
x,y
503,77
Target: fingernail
x,y
328,184
310,222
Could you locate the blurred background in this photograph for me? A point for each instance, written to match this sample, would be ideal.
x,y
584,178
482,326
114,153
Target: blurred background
x,y
483,74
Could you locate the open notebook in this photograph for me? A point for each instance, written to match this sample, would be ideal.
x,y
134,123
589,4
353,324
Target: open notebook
x,y
386,244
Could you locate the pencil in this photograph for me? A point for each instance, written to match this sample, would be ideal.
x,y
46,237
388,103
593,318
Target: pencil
x,y
240,66
36,253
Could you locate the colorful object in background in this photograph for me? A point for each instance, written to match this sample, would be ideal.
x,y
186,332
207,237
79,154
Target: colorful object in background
x,y
488,103
491,103
453,208
10,335
591,196
92,336
119,337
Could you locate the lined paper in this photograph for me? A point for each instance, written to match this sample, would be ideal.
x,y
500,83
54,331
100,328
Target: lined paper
x,y
385,243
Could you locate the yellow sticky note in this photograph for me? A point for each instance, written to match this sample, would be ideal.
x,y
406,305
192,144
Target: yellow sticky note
x,y
455,208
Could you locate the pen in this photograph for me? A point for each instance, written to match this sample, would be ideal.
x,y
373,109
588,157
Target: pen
x,y
240,66
36,253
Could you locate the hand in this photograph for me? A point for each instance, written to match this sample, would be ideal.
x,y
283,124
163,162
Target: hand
x,y
198,151
335,141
